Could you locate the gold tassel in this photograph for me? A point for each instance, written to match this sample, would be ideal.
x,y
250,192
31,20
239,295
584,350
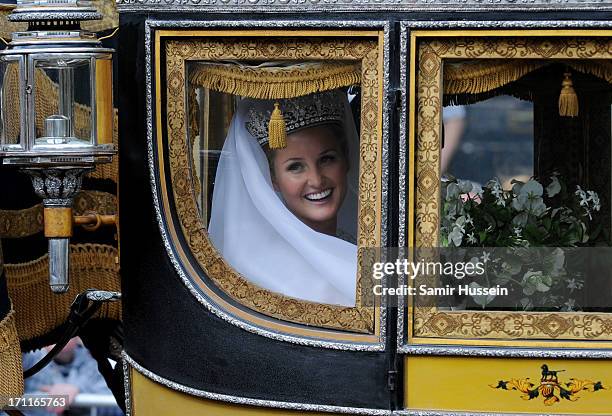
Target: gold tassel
x,y
568,100
277,129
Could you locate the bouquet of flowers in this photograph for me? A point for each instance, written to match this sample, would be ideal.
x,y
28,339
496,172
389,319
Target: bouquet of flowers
x,y
528,215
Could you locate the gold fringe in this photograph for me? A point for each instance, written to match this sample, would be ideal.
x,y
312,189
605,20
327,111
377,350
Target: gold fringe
x,y
276,82
277,129
476,77
598,68
29,221
11,379
38,310
568,100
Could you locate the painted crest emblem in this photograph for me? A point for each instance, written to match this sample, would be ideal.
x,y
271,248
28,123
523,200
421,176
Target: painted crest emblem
x,y
550,388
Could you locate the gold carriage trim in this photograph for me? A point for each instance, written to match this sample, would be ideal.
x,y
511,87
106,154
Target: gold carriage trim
x,y
11,382
39,310
270,83
29,221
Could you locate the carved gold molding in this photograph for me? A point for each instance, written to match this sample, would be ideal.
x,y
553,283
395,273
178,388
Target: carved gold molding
x,y
428,322
365,51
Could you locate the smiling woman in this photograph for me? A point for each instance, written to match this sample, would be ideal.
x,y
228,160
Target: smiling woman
x,y
310,174
286,202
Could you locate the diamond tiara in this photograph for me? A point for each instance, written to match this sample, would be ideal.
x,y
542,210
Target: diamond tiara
x,y
299,113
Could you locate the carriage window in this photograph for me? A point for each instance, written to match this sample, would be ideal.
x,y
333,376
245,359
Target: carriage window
x,y
269,209
510,182
520,144
274,164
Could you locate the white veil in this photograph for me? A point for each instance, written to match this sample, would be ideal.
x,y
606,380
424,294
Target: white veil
x,y
264,241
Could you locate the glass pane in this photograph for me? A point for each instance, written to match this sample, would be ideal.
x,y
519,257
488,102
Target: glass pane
x,y
489,139
62,102
11,99
527,186
270,211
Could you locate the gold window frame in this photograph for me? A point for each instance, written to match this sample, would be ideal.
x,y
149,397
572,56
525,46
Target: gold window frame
x,y
360,324
428,49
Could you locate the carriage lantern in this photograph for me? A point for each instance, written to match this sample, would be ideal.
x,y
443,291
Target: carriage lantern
x,y
56,111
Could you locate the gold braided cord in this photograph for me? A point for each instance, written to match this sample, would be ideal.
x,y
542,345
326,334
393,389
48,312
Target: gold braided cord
x,y
11,379
276,82
38,310
21,222
485,75
29,221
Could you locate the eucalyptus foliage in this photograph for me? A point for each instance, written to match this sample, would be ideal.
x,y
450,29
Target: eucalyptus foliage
x,y
531,214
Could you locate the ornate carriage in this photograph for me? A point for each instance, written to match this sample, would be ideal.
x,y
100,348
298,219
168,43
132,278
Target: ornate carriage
x,y
193,335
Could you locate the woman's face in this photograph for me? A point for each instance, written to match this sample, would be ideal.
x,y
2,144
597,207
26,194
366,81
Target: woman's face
x,y
310,173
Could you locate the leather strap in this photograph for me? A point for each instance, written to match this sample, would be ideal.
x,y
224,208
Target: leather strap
x,y
85,306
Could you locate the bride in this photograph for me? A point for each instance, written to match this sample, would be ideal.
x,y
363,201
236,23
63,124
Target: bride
x,y
278,213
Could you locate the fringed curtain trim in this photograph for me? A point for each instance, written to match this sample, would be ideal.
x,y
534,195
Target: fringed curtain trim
x,y
11,380
39,311
468,82
482,76
276,82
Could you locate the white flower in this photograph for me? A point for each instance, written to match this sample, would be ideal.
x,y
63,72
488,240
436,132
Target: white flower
x,y
517,231
584,199
468,219
472,238
500,202
530,199
594,198
486,256
495,188
532,188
